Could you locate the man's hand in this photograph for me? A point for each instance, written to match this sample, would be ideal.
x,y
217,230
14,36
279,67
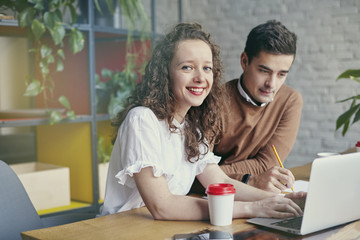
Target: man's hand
x,y
276,179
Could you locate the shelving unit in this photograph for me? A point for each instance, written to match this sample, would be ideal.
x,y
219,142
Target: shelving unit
x,y
72,143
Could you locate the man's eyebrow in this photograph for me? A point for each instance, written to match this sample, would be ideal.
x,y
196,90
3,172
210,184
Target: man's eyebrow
x,y
265,67
269,69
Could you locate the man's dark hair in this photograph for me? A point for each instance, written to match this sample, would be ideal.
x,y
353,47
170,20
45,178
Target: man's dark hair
x,y
271,37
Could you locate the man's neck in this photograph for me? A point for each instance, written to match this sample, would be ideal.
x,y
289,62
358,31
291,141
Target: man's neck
x,y
245,93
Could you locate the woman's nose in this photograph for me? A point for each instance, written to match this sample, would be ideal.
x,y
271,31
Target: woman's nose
x,y
199,76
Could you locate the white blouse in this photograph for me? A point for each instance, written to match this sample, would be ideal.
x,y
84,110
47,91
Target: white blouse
x,y
145,141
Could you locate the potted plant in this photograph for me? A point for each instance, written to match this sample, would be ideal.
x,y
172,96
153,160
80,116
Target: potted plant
x,y
104,149
344,120
112,93
116,85
44,20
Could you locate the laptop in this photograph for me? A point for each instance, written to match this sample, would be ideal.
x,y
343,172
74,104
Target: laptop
x,y
333,197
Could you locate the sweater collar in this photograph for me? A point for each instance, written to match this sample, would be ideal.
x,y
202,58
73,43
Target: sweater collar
x,y
245,95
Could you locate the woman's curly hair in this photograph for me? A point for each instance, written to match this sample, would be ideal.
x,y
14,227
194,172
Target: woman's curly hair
x,y
203,123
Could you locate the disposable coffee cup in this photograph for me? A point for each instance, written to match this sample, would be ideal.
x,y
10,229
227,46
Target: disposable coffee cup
x,y
221,203
326,154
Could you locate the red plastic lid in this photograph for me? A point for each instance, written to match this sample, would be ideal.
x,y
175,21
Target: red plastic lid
x,y
357,144
220,189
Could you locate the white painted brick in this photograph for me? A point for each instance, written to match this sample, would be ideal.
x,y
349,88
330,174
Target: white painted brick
x,y
328,43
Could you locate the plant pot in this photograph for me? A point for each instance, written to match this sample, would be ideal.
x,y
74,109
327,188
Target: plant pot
x,y
47,185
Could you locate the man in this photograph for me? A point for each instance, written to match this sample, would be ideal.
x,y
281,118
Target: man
x,y
262,111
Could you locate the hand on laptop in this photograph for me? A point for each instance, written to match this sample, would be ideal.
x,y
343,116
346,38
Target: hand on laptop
x,y
278,206
298,197
276,179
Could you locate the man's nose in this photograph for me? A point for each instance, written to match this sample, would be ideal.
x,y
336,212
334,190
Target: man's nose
x,y
271,81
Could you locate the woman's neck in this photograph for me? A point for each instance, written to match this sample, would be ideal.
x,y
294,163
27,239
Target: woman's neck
x,y
179,117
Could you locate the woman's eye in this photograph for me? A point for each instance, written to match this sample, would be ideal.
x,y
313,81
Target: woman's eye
x,y
208,68
186,68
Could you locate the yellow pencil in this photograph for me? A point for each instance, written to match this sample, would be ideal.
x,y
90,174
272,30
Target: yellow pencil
x,y
278,158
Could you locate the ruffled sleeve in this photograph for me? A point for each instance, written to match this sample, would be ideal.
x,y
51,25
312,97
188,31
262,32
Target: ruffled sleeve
x,y
139,145
210,157
125,176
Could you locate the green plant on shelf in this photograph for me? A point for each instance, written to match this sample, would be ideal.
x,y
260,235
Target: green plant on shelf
x,y
43,19
112,93
344,119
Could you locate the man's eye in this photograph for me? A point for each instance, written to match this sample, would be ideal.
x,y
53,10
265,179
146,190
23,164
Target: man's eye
x,y
263,71
208,68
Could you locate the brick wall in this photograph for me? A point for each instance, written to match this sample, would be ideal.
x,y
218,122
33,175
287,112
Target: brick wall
x,y
328,43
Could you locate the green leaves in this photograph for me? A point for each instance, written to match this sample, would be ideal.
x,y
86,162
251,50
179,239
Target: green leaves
x,y
51,18
41,17
65,102
76,40
33,89
45,51
38,4
344,120
73,13
109,4
57,33
37,29
133,10
26,16
353,74
106,73
119,85
56,115
46,59
60,57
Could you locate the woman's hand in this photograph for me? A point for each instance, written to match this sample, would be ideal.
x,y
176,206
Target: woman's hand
x,y
162,204
275,207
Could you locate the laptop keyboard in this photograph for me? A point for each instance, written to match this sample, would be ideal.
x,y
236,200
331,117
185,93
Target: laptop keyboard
x,y
294,223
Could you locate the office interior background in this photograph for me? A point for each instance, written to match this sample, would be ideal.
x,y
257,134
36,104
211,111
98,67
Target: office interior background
x,y
328,44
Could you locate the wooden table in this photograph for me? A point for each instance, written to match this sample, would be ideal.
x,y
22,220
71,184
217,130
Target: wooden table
x,y
139,224
133,224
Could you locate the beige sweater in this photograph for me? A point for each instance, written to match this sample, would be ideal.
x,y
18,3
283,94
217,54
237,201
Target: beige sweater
x,y
250,131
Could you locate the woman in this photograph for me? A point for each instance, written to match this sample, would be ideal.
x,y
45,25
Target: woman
x,y
164,137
